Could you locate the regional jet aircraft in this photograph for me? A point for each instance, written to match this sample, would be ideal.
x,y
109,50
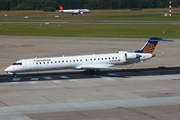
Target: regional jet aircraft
x,y
73,11
94,62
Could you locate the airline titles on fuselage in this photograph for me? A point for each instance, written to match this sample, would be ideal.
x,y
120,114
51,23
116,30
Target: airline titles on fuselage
x,y
111,60
45,60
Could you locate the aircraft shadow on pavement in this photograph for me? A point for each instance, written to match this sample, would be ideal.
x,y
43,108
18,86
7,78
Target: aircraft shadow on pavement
x,y
125,73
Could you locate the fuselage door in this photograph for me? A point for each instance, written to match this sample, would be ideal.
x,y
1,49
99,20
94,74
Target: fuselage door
x,y
28,64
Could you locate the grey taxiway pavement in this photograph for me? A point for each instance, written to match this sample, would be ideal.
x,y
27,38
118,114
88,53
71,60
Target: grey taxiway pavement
x,y
135,97
153,96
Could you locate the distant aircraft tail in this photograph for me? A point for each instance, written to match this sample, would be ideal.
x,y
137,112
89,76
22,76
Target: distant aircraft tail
x,y
150,45
60,7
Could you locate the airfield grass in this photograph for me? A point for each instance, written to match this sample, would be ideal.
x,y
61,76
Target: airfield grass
x,y
113,17
90,30
120,15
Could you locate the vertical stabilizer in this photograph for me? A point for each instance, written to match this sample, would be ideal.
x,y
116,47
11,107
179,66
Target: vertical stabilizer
x,y
150,45
60,7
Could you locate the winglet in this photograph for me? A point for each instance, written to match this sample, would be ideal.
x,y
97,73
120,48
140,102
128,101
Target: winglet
x,y
150,45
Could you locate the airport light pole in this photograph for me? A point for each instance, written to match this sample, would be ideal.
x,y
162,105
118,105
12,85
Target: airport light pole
x,y
170,8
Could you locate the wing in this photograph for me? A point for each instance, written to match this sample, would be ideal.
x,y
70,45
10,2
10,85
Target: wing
x,y
94,66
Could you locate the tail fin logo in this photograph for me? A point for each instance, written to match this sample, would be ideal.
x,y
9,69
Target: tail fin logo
x,y
149,48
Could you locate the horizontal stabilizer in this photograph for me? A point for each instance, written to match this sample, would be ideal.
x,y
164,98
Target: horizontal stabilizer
x,y
150,45
159,39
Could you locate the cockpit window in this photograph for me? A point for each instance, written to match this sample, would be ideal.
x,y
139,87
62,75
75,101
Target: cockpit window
x,y
17,64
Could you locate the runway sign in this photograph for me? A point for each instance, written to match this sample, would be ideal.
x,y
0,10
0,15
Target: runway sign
x,y
48,78
34,79
16,79
98,76
113,75
64,77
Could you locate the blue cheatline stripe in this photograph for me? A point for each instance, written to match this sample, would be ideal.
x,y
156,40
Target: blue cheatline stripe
x,y
64,77
16,79
34,79
48,78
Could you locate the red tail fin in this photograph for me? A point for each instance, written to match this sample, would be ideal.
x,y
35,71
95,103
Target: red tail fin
x,y
60,7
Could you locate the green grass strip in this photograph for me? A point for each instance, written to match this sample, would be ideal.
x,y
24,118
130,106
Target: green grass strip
x,y
90,30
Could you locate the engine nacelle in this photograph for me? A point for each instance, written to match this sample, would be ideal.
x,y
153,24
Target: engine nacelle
x,y
122,52
81,13
131,55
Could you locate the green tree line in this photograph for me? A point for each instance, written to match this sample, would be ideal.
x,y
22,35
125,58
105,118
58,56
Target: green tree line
x,y
90,4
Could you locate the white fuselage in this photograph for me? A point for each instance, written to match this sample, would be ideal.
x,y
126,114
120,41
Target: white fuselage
x,y
92,62
75,11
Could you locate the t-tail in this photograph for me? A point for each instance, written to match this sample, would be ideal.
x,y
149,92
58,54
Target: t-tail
x,y
60,7
150,45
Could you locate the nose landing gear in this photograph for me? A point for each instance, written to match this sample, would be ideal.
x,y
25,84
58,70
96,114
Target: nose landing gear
x,y
14,74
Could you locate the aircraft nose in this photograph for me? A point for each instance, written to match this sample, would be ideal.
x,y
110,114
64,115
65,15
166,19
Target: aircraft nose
x,y
9,69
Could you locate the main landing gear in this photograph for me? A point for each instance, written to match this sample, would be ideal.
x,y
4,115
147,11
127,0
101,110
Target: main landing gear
x,y
92,72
